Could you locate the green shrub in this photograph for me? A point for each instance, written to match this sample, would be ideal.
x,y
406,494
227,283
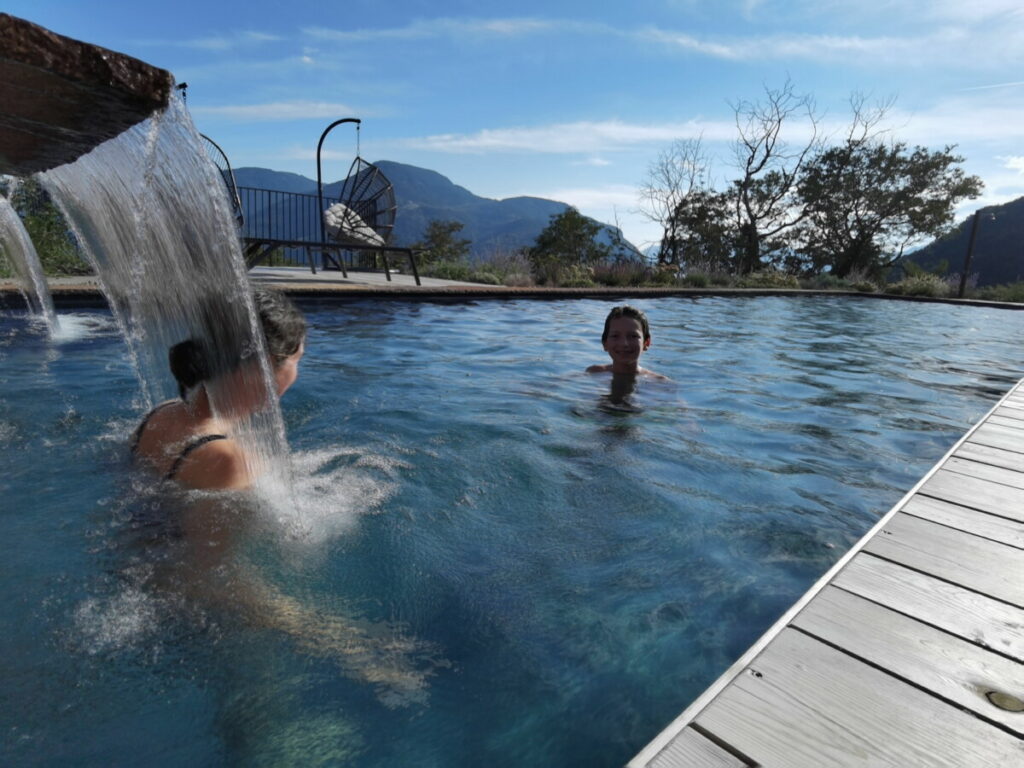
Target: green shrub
x,y
518,280
1014,292
768,279
626,273
865,286
696,280
922,284
485,277
449,270
576,276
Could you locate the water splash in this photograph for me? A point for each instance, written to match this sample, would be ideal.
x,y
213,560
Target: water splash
x,y
21,253
149,212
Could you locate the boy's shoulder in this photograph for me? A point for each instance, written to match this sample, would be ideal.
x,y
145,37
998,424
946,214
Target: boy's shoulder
x,y
648,373
598,369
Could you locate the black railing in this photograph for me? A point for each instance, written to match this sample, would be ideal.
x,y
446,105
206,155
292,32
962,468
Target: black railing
x,y
273,215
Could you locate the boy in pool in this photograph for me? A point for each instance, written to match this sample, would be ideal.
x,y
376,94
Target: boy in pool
x,y
627,335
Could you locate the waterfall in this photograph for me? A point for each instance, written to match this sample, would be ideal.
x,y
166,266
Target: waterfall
x,y
21,253
150,213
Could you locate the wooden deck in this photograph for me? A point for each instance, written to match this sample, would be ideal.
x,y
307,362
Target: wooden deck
x,y
909,652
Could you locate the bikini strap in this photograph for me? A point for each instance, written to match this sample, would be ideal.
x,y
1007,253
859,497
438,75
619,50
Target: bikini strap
x,y
137,434
199,442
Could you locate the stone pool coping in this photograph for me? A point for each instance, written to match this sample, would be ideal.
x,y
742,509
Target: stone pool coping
x,y
83,292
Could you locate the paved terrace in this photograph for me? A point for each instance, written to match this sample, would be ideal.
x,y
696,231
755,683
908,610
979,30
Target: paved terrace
x,y
909,652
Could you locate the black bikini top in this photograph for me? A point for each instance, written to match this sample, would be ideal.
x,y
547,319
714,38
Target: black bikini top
x,y
199,442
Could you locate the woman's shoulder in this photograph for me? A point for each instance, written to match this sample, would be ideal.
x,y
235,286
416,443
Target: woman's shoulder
x,y
213,462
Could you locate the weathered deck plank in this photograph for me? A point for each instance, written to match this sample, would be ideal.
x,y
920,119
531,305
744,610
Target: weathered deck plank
x,y
951,668
807,705
979,564
983,471
998,437
995,456
973,492
994,527
959,611
691,748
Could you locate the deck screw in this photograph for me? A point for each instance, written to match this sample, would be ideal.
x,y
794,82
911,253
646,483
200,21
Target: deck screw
x,y
1005,701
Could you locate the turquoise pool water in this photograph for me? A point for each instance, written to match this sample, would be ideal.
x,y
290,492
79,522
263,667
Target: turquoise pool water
x,y
558,575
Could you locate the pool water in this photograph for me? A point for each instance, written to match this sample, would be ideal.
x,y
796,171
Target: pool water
x,y
558,574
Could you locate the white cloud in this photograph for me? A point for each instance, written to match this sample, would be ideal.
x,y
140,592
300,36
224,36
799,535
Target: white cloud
x,y
596,162
589,138
1016,84
443,27
1015,163
218,42
278,110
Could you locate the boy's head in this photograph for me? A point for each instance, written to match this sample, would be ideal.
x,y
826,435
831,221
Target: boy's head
x,y
627,311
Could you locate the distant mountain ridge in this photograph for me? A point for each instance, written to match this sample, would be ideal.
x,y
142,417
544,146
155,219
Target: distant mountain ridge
x,y
998,246
424,195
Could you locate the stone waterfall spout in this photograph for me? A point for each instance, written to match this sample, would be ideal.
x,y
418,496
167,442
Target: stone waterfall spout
x,y
60,98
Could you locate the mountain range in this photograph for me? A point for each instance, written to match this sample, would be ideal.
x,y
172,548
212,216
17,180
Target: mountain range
x,y
998,255
423,195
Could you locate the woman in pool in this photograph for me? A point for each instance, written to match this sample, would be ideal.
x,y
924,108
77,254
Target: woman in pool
x,y
627,335
189,440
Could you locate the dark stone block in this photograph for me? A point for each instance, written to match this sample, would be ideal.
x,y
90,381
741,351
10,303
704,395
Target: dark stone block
x,y
60,98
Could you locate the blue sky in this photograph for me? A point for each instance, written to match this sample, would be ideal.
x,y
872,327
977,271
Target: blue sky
x,y
567,100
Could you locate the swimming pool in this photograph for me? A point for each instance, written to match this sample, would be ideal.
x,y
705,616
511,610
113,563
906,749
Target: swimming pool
x,y
561,575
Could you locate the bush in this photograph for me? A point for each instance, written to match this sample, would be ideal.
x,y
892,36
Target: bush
x,y
623,273
865,286
696,280
487,278
1014,292
920,285
576,276
449,270
768,279
823,282
518,280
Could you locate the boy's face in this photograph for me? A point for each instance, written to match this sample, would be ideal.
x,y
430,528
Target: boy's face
x,y
625,340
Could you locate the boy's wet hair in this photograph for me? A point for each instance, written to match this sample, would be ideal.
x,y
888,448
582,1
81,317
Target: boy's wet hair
x,y
626,311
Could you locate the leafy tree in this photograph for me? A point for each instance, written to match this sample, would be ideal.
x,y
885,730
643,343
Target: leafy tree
x,y
676,187
440,243
703,239
566,247
48,230
761,199
867,200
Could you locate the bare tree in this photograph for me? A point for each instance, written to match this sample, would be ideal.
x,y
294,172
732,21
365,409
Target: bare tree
x,y
769,167
678,173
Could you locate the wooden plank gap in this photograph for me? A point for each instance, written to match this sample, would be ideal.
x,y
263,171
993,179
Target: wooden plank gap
x,y
935,661
981,470
959,635
906,681
941,578
721,743
974,522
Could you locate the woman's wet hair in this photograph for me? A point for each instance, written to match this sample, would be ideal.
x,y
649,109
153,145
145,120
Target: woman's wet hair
x,y
283,325
225,342
626,311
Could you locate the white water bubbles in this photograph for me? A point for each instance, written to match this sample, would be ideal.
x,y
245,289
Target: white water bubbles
x,y
335,487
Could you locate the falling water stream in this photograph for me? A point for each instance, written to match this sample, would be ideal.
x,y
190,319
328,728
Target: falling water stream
x,y
21,253
149,211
